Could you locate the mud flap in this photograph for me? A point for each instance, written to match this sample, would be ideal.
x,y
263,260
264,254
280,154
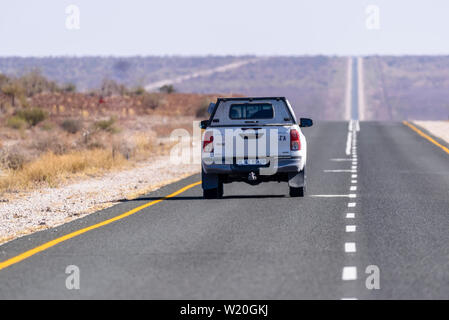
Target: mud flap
x,y
209,181
297,179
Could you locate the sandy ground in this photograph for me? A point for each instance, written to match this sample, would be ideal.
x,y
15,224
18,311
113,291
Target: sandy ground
x,y
49,207
437,128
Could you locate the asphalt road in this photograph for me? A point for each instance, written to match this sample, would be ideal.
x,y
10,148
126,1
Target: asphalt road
x,y
257,242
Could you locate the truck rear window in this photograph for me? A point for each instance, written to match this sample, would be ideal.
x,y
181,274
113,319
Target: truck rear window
x,y
251,111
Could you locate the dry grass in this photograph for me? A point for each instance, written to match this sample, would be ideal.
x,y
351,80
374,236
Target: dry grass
x,y
51,168
72,135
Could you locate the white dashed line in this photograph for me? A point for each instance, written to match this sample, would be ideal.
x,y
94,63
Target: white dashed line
x,y
349,273
350,228
350,247
340,170
348,143
333,195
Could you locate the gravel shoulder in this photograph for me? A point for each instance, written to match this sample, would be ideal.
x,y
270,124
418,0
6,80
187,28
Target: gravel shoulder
x,y
437,128
49,207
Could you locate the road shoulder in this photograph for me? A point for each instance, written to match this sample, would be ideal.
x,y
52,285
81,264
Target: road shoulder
x,y
22,244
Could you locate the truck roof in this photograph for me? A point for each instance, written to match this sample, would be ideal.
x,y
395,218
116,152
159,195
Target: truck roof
x,y
250,98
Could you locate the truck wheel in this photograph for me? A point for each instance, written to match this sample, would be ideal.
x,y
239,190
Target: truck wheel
x,y
297,192
210,193
220,189
214,193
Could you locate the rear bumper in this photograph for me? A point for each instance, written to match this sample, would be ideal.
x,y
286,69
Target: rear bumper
x,y
282,165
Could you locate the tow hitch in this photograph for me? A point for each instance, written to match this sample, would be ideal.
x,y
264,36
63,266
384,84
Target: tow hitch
x,y
252,177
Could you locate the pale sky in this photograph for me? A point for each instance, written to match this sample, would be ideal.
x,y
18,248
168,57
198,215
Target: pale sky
x,y
200,27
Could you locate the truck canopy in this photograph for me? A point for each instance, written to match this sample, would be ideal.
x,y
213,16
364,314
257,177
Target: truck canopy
x,y
252,111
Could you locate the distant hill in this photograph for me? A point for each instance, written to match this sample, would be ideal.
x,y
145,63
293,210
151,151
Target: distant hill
x,y
89,72
410,87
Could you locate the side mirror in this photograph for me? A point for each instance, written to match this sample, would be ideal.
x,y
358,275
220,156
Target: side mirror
x,y
204,124
305,122
211,107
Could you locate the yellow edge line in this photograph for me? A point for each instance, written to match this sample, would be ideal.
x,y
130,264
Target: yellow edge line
x,y
74,234
422,134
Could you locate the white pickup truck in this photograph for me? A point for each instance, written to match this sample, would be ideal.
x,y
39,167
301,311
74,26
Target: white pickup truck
x,y
253,140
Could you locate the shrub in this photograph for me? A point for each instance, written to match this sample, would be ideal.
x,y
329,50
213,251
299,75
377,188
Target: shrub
x,y
168,88
110,87
47,126
139,91
13,90
150,101
32,115
70,87
16,122
34,82
13,160
106,125
201,110
47,143
71,125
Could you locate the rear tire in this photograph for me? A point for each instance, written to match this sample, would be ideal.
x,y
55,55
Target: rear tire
x,y
214,193
297,192
210,193
220,189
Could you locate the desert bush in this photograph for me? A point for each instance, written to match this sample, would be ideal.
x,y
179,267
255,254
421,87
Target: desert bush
x,y
13,90
168,88
34,82
71,125
3,80
47,126
150,100
70,87
106,125
12,160
23,101
139,91
16,122
95,145
201,109
110,87
48,143
32,115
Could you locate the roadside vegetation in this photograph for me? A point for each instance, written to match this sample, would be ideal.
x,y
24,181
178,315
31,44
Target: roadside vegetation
x,y
50,133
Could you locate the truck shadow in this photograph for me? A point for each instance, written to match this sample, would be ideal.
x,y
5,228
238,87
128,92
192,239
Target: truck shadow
x,y
201,198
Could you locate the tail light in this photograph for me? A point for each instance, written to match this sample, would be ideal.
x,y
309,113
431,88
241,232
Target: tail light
x,y
208,145
295,143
